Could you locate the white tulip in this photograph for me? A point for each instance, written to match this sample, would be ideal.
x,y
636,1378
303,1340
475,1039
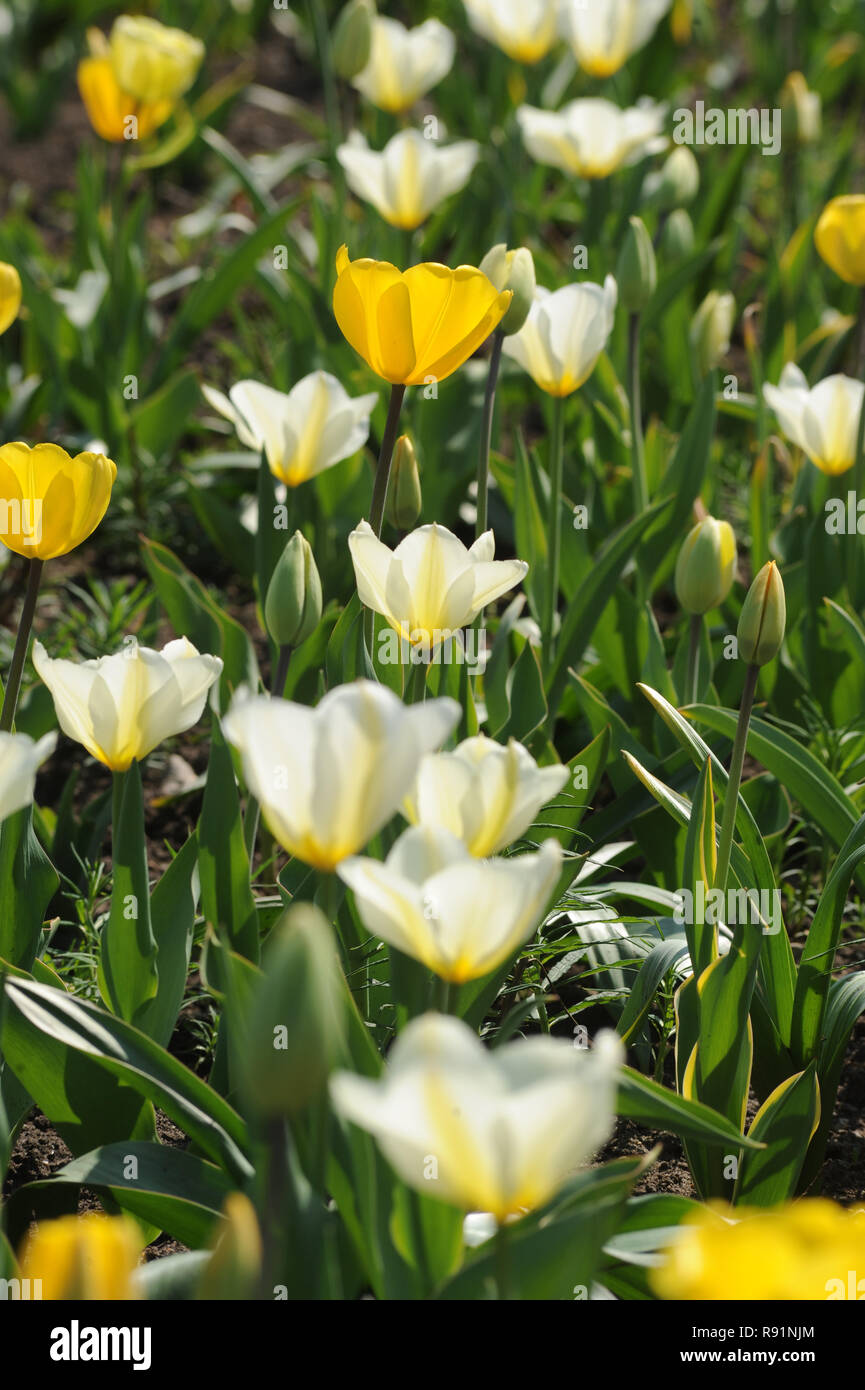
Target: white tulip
x,y
405,63
506,1127
564,335
591,137
328,778
458,915
823,421
709,333
302,432
483,792
604,33
431,585
20,759
120,707
410,177
524,29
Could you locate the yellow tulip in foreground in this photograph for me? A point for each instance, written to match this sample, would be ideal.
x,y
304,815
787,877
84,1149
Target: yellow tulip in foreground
x,y
840,237
706,566
87,1257
328,778
303,431
591,138
524,29
493,1131
410,177
404,63
151,61
458,915
604,33
807,1250
431,585
114,113
49,501
10,295
120,707
20,760
483,792
823,421
564,335
418,325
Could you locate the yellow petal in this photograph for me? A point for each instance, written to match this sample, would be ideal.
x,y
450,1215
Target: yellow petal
x,y
840,237
109,108
10,295
49,501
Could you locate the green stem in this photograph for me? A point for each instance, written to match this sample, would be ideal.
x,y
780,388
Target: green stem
x,y
444,992
696,631
253,809
22,644
554,529
858,466
487,433
638,453
503,1263
734,779
382,472
415,686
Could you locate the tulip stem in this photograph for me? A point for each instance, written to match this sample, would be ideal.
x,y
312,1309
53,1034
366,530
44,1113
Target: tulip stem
x,y
734,778
22,643
503,1271
695,633
382,472
487,433
858,466
444,992
638,452
554,533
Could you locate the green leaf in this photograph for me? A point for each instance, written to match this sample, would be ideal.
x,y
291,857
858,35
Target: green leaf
x,y
172,915
227,900
785,1123
27,885
128,973
659,1108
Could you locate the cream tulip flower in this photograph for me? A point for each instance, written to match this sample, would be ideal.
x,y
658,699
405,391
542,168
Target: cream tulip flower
x,y
591,138
524,29
564,335
303,431
328,778
20,759
408,179
823,421
506,1127
483,792
405,63
458,915
604,33
121,706
430,586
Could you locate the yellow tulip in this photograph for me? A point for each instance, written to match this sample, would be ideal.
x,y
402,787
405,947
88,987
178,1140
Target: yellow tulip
x,y
417,325
83,1257
49,501
802,1251
840,237
151,61
114,113
10,295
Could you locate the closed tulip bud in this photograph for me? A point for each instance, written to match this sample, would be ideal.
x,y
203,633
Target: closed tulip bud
x,y
706,566
710,331
800,110
297,1018
763,617
677,238
292,609
234,1268
675,184
636,273
404,498
515,271
351,40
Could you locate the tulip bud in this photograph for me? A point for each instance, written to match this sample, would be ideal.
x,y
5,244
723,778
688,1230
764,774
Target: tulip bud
x,y
677,238
675,184
706,566
514,271
404,496
763,617
351,40
710,331
234,1268
636,272
292,609
296,1019
800,110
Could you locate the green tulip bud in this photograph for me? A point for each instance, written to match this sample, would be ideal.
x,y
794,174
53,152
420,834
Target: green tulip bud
x,y
404,494
234,1268
677,238
636,273
706,566
351,40
763,617
675,184
292,609
296,1023
514,271
710,331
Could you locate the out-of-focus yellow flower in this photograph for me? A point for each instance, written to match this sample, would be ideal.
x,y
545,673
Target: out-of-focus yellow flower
x,y
706,566
49,501
10,295
410,177
151,61
417,325
114,113
801,109
405,63
840,237
88,1257
823,421
604,33
524,29
801,1251
592,137
564,335
682,20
